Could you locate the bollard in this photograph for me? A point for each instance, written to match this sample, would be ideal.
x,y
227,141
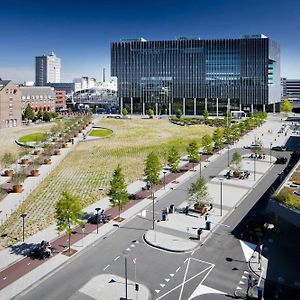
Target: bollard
x,y
208,225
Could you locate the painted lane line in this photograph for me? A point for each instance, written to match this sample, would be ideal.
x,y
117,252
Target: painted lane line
x,y
157,291
244,277
241,282
184,279
171,275
106,267
185,260
162,285
239,288
167,279
178,269
117,258
245,272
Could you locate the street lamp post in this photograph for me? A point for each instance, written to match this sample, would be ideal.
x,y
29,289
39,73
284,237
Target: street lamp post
x,y
125,253
254,171
221,196
153,214
97,220
228,163
164,179
23,216
200,160
270,152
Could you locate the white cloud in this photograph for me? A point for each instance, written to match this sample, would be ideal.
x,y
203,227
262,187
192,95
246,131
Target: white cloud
x,y
18,75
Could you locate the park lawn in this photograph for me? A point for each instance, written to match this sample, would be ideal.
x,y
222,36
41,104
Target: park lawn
x,y
91,164
33,137
100,132
9,135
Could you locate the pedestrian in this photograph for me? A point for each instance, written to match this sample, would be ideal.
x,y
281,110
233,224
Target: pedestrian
x,y
250,284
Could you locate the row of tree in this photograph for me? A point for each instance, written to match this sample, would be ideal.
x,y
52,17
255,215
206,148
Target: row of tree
x,y
44,115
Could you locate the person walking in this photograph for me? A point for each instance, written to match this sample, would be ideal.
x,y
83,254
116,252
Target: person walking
x,y
249,285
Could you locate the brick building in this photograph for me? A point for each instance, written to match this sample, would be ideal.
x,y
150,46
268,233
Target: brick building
x,y
10,104
61,99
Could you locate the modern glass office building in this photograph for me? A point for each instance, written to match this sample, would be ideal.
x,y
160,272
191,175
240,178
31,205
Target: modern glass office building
x,y
194,74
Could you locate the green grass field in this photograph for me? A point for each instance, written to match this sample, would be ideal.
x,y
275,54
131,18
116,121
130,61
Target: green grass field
x,y
90,166
100,132
33,137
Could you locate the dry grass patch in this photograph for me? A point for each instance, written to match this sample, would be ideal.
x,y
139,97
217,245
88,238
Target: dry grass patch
x,y
90,166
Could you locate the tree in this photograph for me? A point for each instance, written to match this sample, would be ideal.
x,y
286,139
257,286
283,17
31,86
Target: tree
x,y
228,117
173,159
124,112
118,195
152,168
228,135
47,116
40,114
178,113
206,142
205,114
68,213
28,113
192,150
218,138
286,106
150,113
198,191
236,161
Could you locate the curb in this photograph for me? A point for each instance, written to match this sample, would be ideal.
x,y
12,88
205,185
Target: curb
x,y
166,249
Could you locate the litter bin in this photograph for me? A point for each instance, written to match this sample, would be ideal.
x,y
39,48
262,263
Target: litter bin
x,y
199,231
171,210
164,215
208,225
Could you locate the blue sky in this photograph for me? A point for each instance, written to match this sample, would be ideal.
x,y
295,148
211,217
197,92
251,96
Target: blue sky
x,y
80,32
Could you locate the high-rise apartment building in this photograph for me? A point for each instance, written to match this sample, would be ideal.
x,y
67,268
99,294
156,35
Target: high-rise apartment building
x,y
47,69
194,74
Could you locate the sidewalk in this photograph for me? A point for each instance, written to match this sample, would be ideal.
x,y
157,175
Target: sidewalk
x,y
29,271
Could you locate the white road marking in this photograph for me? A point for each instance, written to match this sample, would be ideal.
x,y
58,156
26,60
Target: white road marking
x,y
28,264
184,278
185,260
132,245
128,249
179,285
245,272
239,288
157,291
106,267
117,258
4,278
244,277
162,285
178,269
241,282
167,279
171,275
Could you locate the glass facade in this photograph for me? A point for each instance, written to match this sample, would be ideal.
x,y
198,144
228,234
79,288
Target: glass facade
x,y
245,70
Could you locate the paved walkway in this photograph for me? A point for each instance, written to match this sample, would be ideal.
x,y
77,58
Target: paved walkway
x,y
29,271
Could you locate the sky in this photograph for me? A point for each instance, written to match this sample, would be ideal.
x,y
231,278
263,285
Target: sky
x,y
80,32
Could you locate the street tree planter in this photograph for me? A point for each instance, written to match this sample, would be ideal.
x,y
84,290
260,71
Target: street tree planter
x,y
8,173
200,207
25,161
47,161
65,145
56,152
17,188
36,152
34,173
236,174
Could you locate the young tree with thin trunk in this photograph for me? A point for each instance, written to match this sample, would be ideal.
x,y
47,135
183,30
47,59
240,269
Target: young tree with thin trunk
x,y
173,159
218,138
193,153
206,142
152,168
198,192
286,106
68,213
118,195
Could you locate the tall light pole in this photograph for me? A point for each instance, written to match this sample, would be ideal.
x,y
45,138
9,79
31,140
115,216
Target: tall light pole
x,y
23,216
153,214
164,179
228,163
270,152
221,196
200,160
254,171
126,254
97,220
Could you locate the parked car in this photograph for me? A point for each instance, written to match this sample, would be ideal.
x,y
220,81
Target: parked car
x,y
278,148
281,160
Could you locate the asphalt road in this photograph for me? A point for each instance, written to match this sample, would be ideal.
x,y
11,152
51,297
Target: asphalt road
x,y
176,276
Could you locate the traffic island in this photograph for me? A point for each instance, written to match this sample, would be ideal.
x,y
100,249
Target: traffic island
x,y
110,286
168,242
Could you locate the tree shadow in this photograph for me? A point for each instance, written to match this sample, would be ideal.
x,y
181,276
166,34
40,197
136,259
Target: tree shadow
x,y
22,249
